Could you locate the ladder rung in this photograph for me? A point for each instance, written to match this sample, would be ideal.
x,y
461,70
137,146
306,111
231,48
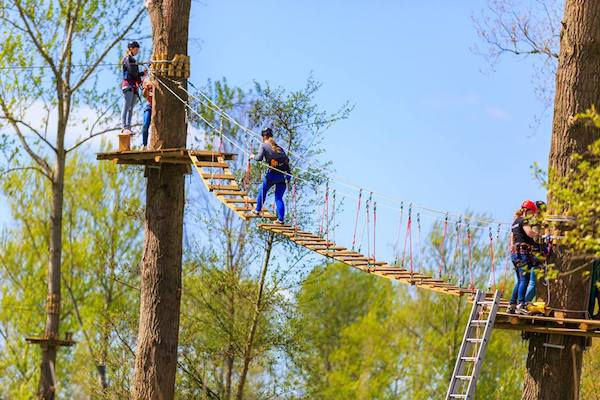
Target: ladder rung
x,y
470,359
458,396
485,303
478,322
471,340
464,377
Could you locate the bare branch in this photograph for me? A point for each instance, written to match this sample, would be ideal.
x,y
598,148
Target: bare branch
x,y
37,158
90,137
108,48
8,171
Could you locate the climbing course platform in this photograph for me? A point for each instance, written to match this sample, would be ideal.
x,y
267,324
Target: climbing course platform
x,y
219,179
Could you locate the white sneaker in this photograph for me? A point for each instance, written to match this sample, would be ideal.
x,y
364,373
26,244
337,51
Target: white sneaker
x,y
522,309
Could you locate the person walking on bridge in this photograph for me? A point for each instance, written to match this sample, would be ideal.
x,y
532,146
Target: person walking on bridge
x,y
278,173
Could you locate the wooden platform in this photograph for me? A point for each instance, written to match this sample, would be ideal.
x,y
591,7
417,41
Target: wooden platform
x,y
164,156
67,342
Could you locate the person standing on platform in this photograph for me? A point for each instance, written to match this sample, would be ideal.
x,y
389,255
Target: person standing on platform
x,y
132,79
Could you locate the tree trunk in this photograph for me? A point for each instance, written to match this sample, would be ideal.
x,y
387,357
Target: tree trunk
x,y
255,317
156,356
47,385
553,373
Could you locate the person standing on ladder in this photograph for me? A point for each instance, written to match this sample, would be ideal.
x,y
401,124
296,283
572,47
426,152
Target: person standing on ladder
x,y
277,174
132,79
523,239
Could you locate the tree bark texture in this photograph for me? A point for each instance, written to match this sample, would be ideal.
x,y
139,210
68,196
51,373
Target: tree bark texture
x,y
553,373
156,355
47,384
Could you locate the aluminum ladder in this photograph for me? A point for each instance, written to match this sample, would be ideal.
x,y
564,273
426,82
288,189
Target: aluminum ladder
x,y
473,347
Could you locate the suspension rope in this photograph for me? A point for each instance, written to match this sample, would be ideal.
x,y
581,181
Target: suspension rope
x,y
356,219
368,228
493,272
374,228
407,235
507,261
396,249
322,226
469,242
419,250
294,210
458,247
443,247
333,216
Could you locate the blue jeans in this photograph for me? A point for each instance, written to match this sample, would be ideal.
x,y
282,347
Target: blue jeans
x,y
146,126
129,99
522,272
530,293
273,178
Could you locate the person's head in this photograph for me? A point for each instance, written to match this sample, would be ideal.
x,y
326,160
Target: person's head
x,y
528,208
267,137
133,48
266,134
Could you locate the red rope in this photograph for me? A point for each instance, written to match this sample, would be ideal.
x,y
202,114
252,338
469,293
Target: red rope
x,y
356,219
406,236
368,234
458,247
471,278
508,251
324,214
399,233
492,260
327,213
333,216
374,228
294,211
246,180
419,242
442,246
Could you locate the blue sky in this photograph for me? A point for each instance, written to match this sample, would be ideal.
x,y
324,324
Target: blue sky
x,y
428,125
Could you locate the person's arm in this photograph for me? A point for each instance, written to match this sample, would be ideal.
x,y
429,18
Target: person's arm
x,y
529,231
261,153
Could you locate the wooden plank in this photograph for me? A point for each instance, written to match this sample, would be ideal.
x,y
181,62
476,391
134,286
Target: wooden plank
x,y
211,164
230,193
207,175
594,324
547,330
223,187
238,201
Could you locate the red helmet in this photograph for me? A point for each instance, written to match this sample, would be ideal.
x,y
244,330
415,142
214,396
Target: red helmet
x,y
529,205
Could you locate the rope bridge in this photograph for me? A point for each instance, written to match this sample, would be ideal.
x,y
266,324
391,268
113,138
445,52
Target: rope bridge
x,y
215,172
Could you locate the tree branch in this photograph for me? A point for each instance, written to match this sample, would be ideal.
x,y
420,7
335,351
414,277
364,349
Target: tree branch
x,y
93,67
38,159
91,136
35,40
